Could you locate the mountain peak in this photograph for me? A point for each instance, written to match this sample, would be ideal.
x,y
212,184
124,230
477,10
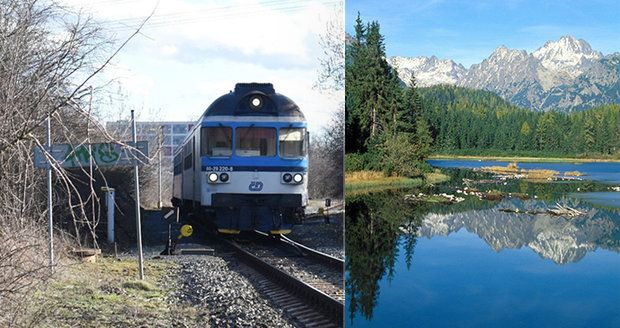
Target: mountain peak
x,y
427,70
564,73
567,48
503,53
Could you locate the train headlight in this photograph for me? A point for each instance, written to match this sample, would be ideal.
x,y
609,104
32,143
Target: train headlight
x,y
287,177
224,177
298,178
212,177
256,103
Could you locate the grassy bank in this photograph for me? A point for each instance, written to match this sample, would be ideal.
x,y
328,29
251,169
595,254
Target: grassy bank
x,y
360,182
109,294
524,159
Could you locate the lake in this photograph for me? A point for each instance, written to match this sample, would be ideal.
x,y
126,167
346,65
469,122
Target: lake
x,y
473,264
603,172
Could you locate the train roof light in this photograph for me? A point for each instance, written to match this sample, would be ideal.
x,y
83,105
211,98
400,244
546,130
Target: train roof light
x,y
256,102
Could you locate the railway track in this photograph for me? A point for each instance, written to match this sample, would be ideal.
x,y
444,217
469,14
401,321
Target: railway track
x,y
305,283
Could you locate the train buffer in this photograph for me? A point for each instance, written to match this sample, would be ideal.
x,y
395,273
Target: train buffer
x,y
171,216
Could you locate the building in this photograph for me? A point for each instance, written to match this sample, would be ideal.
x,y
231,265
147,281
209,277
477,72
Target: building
x,y
173,133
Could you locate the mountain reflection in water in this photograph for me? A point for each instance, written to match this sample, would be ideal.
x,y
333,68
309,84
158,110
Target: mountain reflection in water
x,y
553,237
383,231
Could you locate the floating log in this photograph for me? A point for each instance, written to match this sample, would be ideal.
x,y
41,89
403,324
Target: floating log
x,y
558,210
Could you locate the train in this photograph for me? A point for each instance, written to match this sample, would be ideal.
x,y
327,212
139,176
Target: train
x,y
244,164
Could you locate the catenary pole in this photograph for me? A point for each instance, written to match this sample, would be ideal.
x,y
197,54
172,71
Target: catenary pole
x,y
161,142
137,193
50,213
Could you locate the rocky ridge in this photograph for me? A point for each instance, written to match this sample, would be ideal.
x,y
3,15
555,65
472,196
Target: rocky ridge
x,y
566,74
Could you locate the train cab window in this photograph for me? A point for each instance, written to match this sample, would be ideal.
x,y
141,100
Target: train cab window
x,y
253,141
216,141
292,143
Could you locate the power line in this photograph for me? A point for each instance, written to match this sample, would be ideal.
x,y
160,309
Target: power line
x,y
211,14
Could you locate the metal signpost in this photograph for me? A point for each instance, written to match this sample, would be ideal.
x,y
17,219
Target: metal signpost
x,y
109,203
102,154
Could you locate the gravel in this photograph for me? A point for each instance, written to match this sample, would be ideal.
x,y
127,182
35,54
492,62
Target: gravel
x,y
220,288
222,292
324,237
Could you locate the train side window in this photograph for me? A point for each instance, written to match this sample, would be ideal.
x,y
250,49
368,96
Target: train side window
x,y
188,163
292,143
253,141
216,141
178,164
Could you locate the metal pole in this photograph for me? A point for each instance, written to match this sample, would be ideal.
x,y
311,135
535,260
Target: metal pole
x,y
49,197
161,142
137,189
110,204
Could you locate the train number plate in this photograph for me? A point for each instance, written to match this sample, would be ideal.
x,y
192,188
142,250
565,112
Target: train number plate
x,y
219,168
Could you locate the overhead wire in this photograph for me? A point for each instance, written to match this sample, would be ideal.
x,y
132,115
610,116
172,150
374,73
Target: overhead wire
x,y
210,14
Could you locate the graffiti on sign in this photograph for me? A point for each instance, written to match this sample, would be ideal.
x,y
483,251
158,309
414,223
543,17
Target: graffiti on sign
x,y
102,154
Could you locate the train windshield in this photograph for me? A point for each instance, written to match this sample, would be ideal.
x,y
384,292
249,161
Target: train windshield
x,y
292,142
216,141
253,141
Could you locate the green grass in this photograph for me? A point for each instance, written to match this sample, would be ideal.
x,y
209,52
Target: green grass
x,y
109,294
434,199
140,285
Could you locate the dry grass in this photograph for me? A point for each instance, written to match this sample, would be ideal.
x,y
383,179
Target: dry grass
x,y
513,170
361,182
502,169
573,174
541,174
436,177
360,176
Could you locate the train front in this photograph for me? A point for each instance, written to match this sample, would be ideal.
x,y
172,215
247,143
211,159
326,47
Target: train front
x,y
254,160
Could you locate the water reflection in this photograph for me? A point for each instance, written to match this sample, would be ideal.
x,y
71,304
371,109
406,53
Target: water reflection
x,y
380,225
373,223
552,237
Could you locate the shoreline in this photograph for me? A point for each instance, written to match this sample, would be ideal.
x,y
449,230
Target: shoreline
x,y
381,183
524,159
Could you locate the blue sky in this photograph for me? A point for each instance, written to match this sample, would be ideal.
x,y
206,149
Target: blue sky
x,y
467,31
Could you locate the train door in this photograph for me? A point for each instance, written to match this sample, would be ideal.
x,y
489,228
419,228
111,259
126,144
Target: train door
x,y
194,171
198,168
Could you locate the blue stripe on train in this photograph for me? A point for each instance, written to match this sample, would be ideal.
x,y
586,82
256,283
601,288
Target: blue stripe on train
x,y
229,168
262,161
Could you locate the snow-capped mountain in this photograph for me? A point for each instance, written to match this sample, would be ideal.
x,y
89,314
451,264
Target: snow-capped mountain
x,y
566,74
551,237
567,56
429,71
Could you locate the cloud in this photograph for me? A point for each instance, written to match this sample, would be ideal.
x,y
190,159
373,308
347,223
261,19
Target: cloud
x,y
191,52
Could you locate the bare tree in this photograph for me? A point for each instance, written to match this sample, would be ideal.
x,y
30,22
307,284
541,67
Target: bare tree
x,y
331,74
326,178
47,57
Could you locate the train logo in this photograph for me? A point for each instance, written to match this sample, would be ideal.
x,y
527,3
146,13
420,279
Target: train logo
x,y
255,186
